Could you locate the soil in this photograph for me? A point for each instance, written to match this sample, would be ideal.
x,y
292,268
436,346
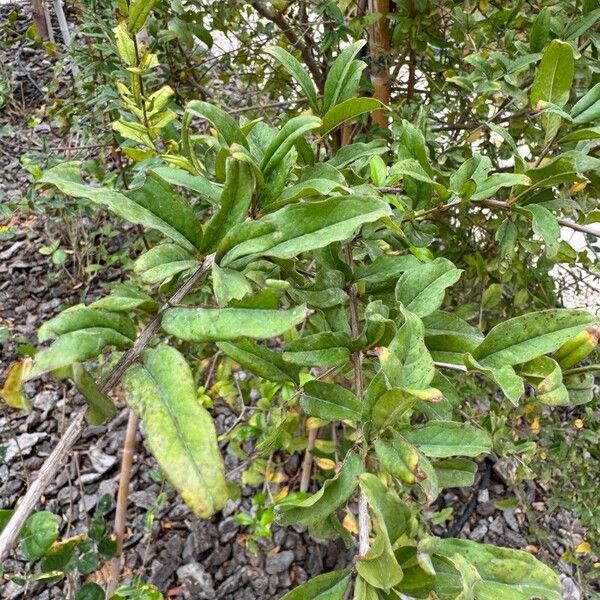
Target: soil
x,y
183,556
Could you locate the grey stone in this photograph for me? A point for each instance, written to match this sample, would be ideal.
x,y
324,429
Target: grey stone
x,y
479,532
570,591
279,563
228,529
101,462
22,445
197,583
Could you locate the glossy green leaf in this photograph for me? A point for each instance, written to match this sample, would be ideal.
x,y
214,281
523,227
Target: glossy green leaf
x,y
553,81
261,361
345,111
325,349
489,186
291,64
364,590
138,13
353,153
178,430
285,139
125,45
163,262
225,324
330,402
196,183
448,337
125,297
384,270
233,204
581,24
218,118
579,135
580,388
501,572
441,439
540,30
38,534
505,377
528,336
154,204
328,586
587,108
300,228
422,289
336,78
334,494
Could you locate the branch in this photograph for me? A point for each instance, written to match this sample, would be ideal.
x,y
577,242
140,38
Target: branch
x,y
52,464
276,17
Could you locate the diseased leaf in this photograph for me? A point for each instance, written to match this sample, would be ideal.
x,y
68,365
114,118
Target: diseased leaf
x,y
325,349
441,439
225,324
545,375
100,406
545,225
501,572
125,297
448,337
138,13
328,586
422,289
12,391
334,494
528,336
154,204
300,228
505,377
489,186
330,401
178,430
163,262
260,360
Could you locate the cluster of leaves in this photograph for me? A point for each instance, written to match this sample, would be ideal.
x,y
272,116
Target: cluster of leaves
x,y
322,277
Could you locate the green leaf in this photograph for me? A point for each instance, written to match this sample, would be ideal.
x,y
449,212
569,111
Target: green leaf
x,y
225,324
581,24
384,270
553,81
308,188
163,262
138,12
135,132
233,204
197,183
125,45
38,534
324,350
526,337
352,153
441,439
545,375
544,224
221,121
501,572
330,401
291,64
334,494
178,430
300,228
154,204
336,78
422,289
505,377
260,360
540,30
448,337
587,133
489,186
587,108
229,285
81,333
580,387
407,362
90,591
364,590
328,586
125,297
285,139
398,457
379,566
455,472
100,406
349,109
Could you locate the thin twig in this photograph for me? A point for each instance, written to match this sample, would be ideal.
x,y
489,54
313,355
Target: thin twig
x,y
308,459
52,464
122,500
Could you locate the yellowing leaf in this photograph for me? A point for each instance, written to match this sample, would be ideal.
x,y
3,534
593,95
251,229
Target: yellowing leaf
x,y
350,523
324,463
315,422
578,186
535,426
583,548
12,390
